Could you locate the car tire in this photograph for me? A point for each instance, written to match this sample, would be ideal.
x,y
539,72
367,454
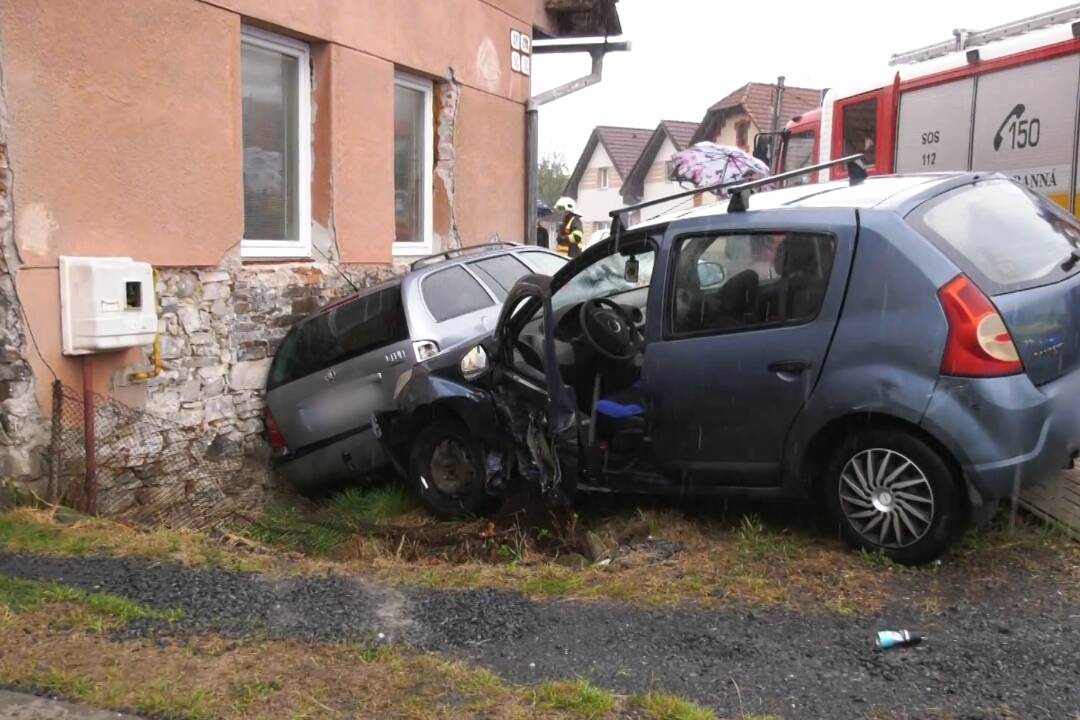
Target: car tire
x,y
446,471
892,492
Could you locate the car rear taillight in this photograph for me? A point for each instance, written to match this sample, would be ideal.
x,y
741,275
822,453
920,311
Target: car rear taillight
x,y
979,344
425,350
273,432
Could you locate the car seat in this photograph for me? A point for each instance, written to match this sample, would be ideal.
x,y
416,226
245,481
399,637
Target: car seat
x,y
806,280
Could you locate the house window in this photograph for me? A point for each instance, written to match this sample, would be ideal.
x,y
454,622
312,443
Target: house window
x,y
602,178
413,162
276,117
669,170
742,134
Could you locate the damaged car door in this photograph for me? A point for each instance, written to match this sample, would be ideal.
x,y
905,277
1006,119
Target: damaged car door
x,y
570,358
534,405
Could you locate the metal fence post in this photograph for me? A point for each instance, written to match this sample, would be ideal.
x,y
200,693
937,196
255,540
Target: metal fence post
x,y
88,435
56,446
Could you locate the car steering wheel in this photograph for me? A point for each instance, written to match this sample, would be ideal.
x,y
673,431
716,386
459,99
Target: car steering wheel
x,y
609,330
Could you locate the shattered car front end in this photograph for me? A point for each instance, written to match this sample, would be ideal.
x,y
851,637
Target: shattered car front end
x,y
528,437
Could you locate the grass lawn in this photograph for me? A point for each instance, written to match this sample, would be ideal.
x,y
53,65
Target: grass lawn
x,y
760,556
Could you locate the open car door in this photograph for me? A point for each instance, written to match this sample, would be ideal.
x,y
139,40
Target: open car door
x,y
537,408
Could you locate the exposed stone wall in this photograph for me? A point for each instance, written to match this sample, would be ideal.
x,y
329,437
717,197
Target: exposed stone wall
x,y
219,330
449,99
23,434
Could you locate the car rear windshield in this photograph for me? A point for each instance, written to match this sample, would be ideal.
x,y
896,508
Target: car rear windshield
x,y
1001,234
500,273
452,293
369,322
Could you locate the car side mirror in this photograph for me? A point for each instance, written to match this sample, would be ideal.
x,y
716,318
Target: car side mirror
x,y
474,363
710,274
630,270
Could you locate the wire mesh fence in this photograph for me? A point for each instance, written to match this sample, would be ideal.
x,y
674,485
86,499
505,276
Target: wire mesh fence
x,y
146,469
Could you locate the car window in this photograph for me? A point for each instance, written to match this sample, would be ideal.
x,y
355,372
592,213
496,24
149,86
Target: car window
x,y
860,129
351,329
1001,233
500,273
799,153
452,293
725,283
545,263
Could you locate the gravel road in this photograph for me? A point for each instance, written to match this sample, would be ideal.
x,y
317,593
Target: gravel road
x,y
1016,646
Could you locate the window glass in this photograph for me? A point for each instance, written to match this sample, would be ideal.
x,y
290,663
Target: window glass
x,y
742,134
604,278
270,110
410,133
453,292
799,153
500,273
1003,232
356,327
860,129
544,262
602,177
725,283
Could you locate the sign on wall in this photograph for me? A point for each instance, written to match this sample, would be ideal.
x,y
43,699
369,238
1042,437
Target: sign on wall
x,y
520,52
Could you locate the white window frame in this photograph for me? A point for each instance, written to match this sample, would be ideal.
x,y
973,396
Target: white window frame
x,y
602,180
426,87
301,246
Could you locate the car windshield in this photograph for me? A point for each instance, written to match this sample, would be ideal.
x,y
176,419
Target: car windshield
x,y
606,277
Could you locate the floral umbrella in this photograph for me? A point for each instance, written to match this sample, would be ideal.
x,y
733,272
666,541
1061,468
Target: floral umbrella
x,y
707,163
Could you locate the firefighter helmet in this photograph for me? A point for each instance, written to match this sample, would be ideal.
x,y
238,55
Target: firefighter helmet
x,y
566,204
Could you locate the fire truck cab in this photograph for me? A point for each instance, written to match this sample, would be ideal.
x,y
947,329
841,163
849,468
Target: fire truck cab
x,y
1005,99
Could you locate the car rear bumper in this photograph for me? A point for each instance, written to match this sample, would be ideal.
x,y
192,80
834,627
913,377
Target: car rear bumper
x,y
349,458
1007,433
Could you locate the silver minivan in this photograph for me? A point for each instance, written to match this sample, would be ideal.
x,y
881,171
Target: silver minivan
x,y
337,367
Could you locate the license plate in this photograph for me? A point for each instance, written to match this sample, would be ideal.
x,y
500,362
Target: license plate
x,y
342,410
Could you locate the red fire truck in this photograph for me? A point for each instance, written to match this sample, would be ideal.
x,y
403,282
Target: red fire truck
x,y
1004,99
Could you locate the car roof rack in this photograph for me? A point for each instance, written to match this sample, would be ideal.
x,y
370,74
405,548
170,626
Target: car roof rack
x,y
458,252
740,190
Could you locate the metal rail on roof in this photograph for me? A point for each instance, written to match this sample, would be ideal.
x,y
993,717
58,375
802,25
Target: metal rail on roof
x,y
741,189
458,252
740,192
964,39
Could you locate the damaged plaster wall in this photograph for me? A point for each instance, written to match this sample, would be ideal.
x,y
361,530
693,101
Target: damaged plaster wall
x,y
449,99
23,432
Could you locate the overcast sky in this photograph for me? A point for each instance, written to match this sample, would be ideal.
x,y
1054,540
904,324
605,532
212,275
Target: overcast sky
x,y
687,54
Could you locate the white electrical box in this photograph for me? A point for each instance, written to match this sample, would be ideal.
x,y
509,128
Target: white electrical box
x,y
106,303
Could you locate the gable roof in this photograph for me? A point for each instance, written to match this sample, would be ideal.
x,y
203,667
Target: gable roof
x,y
622,144
680,133
758,101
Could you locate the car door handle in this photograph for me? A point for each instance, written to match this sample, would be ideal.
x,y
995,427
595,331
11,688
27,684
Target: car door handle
x,y
791,367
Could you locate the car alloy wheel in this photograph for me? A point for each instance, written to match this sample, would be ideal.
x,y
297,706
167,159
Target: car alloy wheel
x,y
886,498
452,468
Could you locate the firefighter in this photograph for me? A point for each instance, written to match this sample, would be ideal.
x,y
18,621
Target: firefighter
x,y
571,231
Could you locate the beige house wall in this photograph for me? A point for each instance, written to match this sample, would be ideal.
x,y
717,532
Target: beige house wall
x,y
133,147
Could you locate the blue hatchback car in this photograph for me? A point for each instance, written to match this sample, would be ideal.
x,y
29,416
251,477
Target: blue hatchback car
x,y
906,350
